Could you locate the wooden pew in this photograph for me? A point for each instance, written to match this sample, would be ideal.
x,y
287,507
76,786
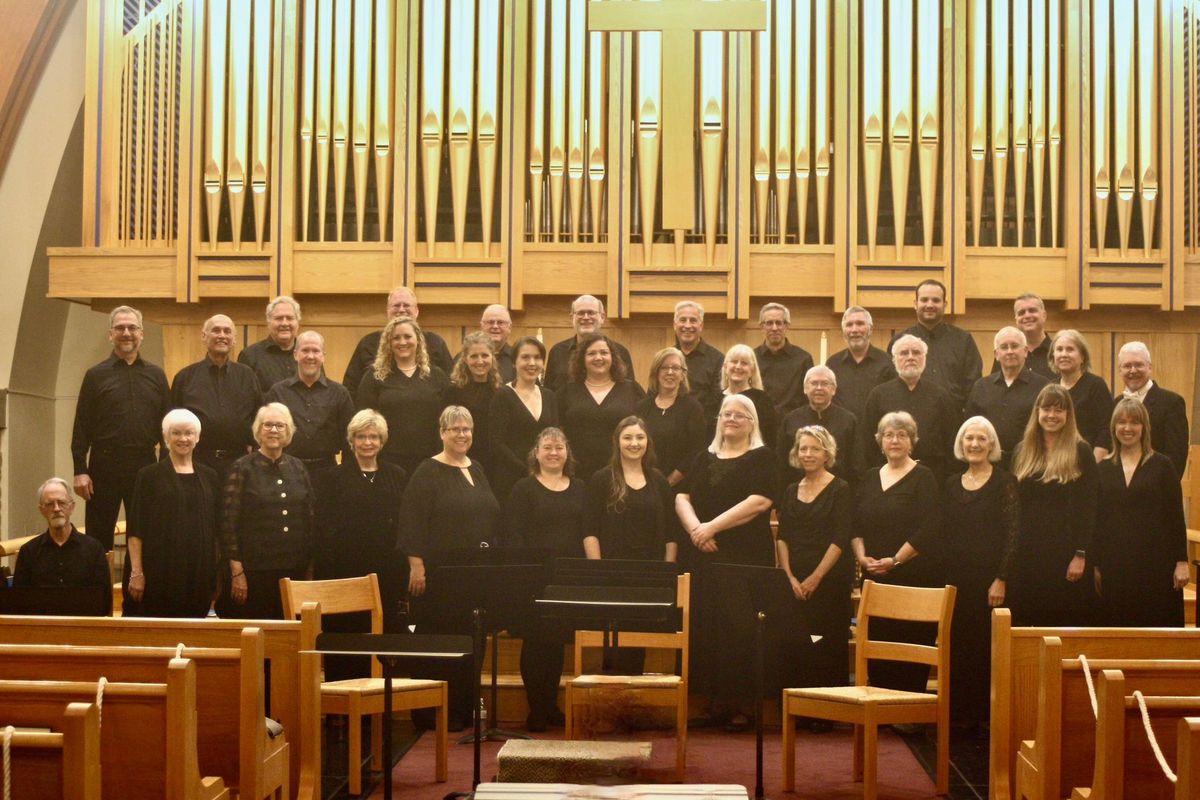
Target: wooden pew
x,y
64,763
231,723
1062,752
147,732
1015,662
1187,759
295,694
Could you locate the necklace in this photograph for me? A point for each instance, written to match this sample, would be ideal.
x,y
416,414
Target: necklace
x,y
593,385
370,476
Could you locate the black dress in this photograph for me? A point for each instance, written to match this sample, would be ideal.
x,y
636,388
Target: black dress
x,y
175,516
907,511
1093,409
513,430
476,397
678,431
638,530
1056,520
808,529
980,534
1140,537
411,406
589,425
768,417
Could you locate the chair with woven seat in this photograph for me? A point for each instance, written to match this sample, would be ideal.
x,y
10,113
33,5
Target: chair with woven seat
x,y
358,697
669,691
867,707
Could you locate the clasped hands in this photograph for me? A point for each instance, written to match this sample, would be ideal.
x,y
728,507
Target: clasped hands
x,y
704,537
878,566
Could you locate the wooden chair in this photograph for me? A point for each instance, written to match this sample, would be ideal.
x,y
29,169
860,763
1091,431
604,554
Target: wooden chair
x,y
868,707
358,697
670,691
64,763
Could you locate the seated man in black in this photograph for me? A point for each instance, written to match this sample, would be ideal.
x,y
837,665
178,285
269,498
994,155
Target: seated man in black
x,y
62,556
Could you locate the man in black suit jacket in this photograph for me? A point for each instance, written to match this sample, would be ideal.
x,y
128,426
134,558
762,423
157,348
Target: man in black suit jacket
x,y
1168,411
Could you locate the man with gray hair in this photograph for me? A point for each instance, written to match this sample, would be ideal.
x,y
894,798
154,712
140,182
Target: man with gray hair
x,y
272,359
61,557
496,322
937,414
861,366
820,387
1167,410
587,316
1006,397
782,364
121,402
703,360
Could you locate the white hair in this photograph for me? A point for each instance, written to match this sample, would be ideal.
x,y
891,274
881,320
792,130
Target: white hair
x,y
50,481
278,301
817,371
179,416
857,310
682,304
756,439
1008,330
310,334
1135,347
908,338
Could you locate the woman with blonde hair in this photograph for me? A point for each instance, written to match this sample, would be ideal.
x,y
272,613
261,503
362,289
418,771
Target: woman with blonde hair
x,y
1057,480
674,418
740,375
1071,361
474,380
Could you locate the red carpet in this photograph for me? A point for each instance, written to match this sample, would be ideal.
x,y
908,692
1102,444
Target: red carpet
x,y
822,765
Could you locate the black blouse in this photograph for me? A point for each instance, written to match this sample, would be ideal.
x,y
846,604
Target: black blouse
x,y
1093,409
411,406
589,425
267,515
513,430
907,511
442,511
715,485
678,431
982,525
476,397
809,528
539,517
636,530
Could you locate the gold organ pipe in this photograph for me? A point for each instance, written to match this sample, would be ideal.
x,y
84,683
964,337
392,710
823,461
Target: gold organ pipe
x,y
433,43
342,89
1037,36
929,32
324,107
712,132
1053,111
124,201
783,112
237,156
1101,116
1020,110
162,61
977,39
762,130
214,114
900,110
558,122
360,115
1124,73
1000,121
595,130
649,131
1147,117
148,68
537,125
577,37
872,126
802,36
384,37
307,97
823,145
260,155
487,112
461,113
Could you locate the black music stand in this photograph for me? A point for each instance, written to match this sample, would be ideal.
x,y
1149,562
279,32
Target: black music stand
x,y
767,592
391,649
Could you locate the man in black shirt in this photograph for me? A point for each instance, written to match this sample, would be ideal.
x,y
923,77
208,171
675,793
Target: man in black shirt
x,y
861,366
61,556
953,359
703,360
587,316
118,421
1006,397
1029,311
1167,410
820,387
223,394
272,359
782,364
400,303
496,322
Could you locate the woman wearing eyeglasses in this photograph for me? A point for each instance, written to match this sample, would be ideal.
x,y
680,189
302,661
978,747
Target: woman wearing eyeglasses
x,y
740,375
673,417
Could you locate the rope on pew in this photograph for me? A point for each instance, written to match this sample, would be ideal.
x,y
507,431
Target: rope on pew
x,y
1087,677
1162,762
8,734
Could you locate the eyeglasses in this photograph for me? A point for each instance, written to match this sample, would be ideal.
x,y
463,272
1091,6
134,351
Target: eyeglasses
x,y
460,431
733,416
126,328
274,426
672,368
49,504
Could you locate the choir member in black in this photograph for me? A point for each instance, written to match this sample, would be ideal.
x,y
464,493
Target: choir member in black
x,y
815,517
598,396
703,362
820,389
587,317
61,556
740,375
518,411
267,521
982,520
725,506
896,527
783,365
448,505
408,391
496,322
674,417
1141,537
223,394
1006,396
474,381
1051,576
121,401
401,302
954,362
1167,410
545,509
861,366
171,531
272,358
1072,363
1029,315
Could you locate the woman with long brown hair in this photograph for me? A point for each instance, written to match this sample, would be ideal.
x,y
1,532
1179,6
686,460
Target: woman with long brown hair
x,y
474,380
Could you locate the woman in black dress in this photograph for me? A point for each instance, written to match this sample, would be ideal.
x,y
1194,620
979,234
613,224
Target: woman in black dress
x,y
740,375
172,529
545,509
674,418
725,506
1071,360
474,380
815,517
981,526
407,391
1056,471
518,411
448,505
598,396
1141,537
897,522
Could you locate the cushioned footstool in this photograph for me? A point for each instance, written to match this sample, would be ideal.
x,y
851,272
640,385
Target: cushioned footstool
x,y
552,761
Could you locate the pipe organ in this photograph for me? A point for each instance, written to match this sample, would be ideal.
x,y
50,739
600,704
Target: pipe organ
x,y
493,150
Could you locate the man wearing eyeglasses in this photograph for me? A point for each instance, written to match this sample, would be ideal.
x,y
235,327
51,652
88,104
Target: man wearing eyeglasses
x,y
587,316
61,557
782,364
117,424
820,387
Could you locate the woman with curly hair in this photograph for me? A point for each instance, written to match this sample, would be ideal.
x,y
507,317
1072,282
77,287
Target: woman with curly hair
x,y
598,396
474,380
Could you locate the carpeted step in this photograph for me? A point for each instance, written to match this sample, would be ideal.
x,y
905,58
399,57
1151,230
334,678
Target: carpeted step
x,y
586,762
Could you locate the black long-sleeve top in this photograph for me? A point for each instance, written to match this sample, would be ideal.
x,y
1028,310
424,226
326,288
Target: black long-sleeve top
x,y
535,516
639,528
840,423
225,398
704,375
1093,409
907,511
1006,406
783,374
321,413
362,361
1168,425
678,431
79,562
935,412
856,379
1059,519
443,511
357,533
981,527
513,430
267,519
953,360
120,406
411,406
589,425
270,362
558,362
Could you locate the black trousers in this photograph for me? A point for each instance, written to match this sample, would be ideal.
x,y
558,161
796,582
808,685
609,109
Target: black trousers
x,y
113,473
